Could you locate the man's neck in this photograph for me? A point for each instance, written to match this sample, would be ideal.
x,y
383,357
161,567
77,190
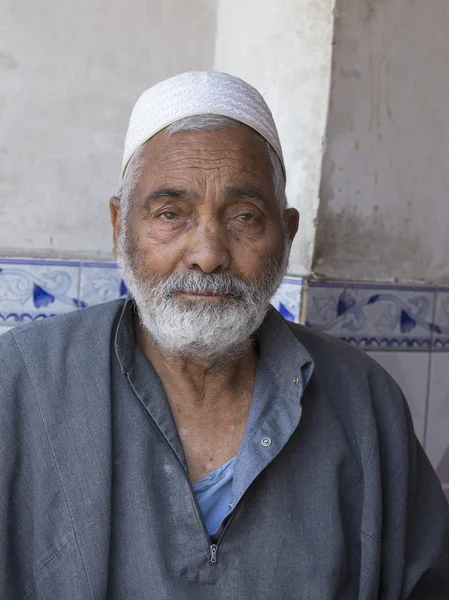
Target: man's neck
x,y
197,385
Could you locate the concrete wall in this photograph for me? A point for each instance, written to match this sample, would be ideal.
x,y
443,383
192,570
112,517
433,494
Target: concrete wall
x,y
384,211
70,73
283,48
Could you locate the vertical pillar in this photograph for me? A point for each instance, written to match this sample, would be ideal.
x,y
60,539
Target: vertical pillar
x,y
283,48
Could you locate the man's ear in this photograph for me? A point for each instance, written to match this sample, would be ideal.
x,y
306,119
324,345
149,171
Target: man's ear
x,y
114,208
291,220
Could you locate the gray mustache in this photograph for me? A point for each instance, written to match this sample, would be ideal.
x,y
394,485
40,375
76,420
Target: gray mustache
x,y
198,283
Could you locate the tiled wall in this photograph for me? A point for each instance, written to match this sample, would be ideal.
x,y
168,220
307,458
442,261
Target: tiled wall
x,y
404,328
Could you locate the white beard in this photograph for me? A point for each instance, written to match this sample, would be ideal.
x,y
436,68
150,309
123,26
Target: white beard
x,y
211,333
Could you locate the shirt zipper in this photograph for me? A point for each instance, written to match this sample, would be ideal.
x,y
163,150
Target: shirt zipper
x,y
213,550
213,553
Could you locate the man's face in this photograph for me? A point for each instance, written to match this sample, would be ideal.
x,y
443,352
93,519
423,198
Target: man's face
x,y
204,205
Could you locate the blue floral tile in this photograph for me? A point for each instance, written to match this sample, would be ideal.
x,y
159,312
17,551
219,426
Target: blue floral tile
x,y
440,340
37,289
287,299
373,315
322,309
100,282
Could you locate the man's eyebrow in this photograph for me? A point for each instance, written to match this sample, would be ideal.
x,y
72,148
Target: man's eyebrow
x,y
247,192
166,192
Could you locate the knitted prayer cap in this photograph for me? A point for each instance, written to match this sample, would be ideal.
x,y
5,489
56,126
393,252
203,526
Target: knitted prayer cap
x,y
198,93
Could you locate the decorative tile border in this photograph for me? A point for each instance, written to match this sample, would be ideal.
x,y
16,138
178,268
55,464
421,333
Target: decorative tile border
x,y
376,316
37,289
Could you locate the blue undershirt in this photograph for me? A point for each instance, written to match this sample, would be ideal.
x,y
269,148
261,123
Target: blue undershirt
x,y
214,494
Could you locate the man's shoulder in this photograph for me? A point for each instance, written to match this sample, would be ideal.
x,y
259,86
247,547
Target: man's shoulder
x,y
353,382
75,327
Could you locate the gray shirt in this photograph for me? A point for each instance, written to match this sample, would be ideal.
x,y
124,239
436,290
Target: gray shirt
x,y
95,500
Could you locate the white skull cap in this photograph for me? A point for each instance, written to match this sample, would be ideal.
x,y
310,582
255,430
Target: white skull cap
x,y
198,93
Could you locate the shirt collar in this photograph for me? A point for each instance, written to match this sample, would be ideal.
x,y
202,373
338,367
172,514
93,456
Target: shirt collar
x,y
282,352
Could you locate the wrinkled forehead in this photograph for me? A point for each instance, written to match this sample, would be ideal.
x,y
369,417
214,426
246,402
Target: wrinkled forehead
x,y
233,156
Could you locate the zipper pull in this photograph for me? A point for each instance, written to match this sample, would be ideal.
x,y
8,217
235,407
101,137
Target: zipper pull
x,y
213,553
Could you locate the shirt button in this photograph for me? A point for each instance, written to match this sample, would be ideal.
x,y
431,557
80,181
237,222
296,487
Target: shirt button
x,y
296,380
266,442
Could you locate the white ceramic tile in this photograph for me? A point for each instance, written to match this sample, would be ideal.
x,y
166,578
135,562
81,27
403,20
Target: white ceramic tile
x,y
287,299
441,329
410,370
36,289
4,329
373,315
100,282
437,437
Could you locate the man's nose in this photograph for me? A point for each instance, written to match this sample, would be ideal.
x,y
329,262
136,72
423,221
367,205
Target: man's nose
x,y
208,248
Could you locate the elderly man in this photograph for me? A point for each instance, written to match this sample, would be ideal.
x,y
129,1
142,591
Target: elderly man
x,y
187,442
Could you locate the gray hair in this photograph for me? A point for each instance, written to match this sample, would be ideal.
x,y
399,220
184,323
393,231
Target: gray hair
x,y
197,123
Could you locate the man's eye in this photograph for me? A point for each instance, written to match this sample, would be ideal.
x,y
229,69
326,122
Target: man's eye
x,y
246,218
168,215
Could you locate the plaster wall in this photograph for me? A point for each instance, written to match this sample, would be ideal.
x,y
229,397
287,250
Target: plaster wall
x,y
70,73
384,210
